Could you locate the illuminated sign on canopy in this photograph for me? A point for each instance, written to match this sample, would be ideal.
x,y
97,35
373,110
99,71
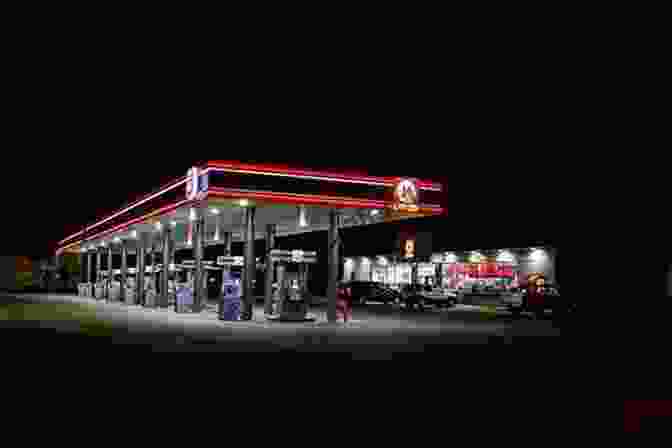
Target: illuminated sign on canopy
x,y
406,196
197,183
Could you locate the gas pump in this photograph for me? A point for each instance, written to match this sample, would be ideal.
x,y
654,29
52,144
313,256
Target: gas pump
x,y
291,298
114,292
230,299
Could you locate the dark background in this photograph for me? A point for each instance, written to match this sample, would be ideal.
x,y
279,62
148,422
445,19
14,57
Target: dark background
x,y
93,126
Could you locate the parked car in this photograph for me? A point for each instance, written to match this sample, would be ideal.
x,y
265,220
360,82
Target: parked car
x,y
366,291
417,296
516,300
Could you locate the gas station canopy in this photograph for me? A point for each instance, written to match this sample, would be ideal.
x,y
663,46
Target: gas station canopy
x,y
290,199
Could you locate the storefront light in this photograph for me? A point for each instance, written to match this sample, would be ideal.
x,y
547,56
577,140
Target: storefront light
x,y
476,257
348,261
537,254
134,234
244,202
374,212
192,214
505,256
365,260
173,223
382,261
450,257
158,226
117,239
214,211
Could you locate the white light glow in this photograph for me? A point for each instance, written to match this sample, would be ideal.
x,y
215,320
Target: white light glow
x,y
505,256
117,239
244,202
173,223
537,254
476,257
365,260
348,261
214,211
382,261
374,212
134,234
451,257
192,214
158,226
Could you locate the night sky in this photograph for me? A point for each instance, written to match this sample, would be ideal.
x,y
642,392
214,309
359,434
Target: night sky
x,y
86,142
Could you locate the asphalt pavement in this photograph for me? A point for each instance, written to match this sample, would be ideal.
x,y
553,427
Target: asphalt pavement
x,y
376,330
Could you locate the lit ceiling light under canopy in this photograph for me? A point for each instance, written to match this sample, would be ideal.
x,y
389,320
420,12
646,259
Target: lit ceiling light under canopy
x,y
214,211
244,202
117,239
192,214
303,216
134,234
173,223
374,212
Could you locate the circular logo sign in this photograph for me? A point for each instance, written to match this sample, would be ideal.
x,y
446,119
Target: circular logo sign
x,y
406,194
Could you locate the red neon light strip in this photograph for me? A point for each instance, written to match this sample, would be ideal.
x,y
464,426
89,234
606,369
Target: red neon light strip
x,y
132,221
132,206
312,199
293,172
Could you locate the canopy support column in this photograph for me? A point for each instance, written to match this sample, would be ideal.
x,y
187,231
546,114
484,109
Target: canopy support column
x,y
166,241
124,272
200,299
334,243
250,264
268,289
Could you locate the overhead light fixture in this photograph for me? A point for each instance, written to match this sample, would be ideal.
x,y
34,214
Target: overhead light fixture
x,y
117,239
158,226
374,212
366,260
83,249
173,223
244,202
214,211
134,234
192,214
303,216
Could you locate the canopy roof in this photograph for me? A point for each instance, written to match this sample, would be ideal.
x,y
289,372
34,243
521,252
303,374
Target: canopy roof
x,y
280,194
